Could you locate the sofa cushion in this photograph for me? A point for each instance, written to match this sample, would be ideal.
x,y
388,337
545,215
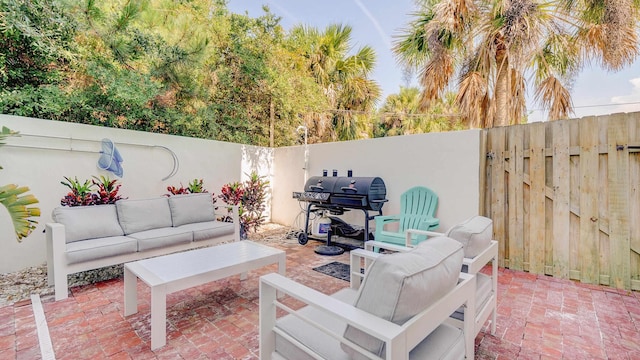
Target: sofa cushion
x,y
88,222
400,285
475,235
191,208
163,237
91,249
208,230
144,214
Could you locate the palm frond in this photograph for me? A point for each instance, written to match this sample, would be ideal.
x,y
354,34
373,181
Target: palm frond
x,y
554,97
18,203
471,91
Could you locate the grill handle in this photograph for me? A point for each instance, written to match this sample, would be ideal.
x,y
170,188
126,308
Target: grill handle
x,y
346,188
379,201
316,187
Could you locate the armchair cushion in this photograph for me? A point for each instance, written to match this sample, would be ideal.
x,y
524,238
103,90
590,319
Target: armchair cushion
x,y
400,285
475,234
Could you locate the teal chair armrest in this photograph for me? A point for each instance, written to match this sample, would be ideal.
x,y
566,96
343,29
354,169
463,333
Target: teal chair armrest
x,y
429,224
386,219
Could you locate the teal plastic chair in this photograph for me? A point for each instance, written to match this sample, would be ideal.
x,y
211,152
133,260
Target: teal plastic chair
x,y
417,210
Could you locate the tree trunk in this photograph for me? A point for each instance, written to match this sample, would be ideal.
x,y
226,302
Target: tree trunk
x,y
502,90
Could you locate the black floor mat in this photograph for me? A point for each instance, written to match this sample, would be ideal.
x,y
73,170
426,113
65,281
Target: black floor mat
x,y
336,269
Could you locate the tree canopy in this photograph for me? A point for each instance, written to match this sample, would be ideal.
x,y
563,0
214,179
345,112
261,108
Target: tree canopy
x,y
493,46
188,68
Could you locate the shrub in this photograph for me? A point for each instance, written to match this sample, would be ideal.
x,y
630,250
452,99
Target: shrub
x,y
250,197
82,193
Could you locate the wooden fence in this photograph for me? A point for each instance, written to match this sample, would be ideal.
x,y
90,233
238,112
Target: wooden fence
x,y
565,200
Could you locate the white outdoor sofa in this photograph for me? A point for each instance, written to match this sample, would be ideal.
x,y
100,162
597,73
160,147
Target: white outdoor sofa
x,y
475,234
398,311
90,237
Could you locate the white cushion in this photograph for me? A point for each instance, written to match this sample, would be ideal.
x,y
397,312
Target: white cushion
x,y
475,235
191,208
88,222
208,230
98,248
400,285
163,237
144,214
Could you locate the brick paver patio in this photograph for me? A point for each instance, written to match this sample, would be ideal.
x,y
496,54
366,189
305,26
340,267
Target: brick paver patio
x,y
538,318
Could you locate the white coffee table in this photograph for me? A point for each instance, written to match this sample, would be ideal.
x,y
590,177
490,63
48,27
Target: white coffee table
x,y
175,272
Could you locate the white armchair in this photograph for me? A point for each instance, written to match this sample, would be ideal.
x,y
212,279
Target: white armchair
x,y
475,235
398,312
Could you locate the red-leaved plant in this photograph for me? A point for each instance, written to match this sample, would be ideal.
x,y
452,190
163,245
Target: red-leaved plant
x,y
107,189
250,197
82,194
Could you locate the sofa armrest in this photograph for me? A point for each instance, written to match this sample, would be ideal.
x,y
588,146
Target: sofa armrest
x,y
234,212
357,268
371,245
56,261
428,233
490,254
399,339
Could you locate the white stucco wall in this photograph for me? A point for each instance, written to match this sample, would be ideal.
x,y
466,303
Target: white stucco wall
x,y
31,160
448,163
49,150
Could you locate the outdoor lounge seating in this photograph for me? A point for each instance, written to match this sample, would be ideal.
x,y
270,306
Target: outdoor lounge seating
x,y
90,237
397,311
479,250
417,211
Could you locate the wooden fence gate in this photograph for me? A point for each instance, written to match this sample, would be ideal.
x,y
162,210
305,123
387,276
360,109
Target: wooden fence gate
x,y
565,200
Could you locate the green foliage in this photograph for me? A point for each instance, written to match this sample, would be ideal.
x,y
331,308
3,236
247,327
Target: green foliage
x,y
36,39
195,186
187,68
80,194
401,115
16,200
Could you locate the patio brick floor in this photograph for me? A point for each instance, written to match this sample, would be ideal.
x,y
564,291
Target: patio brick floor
x,y
539,317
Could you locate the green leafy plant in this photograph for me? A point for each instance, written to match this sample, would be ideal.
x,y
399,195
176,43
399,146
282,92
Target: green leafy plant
x,y
80,194
17,201
107,190
195,186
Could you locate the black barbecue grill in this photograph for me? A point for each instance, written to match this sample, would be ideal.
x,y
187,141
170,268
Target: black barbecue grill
x,y
337,194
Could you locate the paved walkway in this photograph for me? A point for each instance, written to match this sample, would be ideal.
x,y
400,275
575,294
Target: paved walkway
x,y
538,318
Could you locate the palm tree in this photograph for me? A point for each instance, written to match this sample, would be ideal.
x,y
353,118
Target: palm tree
x,y
343,77
401,114
493,45
17,203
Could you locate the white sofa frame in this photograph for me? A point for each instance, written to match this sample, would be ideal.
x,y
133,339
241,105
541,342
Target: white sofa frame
x,y
474,265
398,339
58,269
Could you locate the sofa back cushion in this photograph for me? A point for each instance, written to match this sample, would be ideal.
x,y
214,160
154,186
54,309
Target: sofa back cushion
x,y
191,208
474,233
143,214
398,286
88,222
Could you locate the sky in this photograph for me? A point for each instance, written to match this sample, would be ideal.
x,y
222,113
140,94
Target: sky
x,y
378,23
